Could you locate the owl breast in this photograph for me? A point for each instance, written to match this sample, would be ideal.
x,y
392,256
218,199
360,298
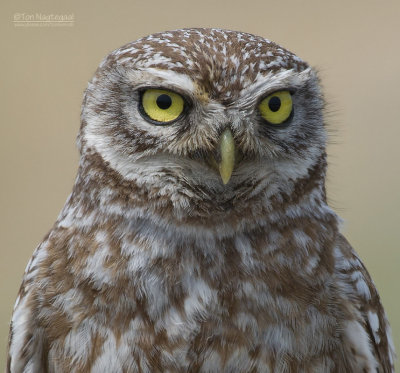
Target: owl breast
x,y
227,308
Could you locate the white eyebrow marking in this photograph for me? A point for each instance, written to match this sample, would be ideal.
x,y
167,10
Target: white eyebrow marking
x,y
160,76
271,81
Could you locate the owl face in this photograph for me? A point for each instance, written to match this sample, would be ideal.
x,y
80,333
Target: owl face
x,y
205,112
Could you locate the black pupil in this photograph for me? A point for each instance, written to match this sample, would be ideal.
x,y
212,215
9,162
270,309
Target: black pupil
x,y
164,102
274,103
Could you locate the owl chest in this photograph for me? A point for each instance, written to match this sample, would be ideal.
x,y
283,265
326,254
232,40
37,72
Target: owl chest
x,y
233,326
227,314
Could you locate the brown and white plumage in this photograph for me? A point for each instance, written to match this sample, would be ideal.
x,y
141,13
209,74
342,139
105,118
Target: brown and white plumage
x,y
156,265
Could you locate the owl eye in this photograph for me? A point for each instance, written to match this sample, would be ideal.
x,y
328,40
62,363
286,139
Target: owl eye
x,y
277,107
161,106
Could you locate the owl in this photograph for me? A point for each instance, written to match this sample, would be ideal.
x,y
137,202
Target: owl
x,y
198,237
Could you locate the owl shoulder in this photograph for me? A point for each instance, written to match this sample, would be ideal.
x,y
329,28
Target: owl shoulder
x,y
26,339
369,331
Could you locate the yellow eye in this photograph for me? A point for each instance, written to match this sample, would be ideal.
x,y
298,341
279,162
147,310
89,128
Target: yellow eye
x,y
161,105
277,107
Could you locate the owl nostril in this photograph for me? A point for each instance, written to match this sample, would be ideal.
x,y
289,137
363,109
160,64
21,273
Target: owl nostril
x,y
238,156
212,161
216,154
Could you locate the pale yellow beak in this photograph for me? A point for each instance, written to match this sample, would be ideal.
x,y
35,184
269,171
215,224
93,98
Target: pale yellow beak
x,y
227,154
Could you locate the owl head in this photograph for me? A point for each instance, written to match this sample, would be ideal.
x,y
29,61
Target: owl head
x,y
204,123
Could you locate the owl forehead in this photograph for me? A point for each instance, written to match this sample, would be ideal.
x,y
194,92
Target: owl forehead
x,y
221,62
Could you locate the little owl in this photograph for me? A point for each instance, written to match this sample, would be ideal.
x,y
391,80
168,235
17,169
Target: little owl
x,y
197,237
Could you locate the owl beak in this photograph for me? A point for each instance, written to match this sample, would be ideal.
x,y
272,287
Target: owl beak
x,y
226,150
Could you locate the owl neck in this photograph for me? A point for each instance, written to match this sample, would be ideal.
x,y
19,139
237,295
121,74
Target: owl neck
x,y
102,193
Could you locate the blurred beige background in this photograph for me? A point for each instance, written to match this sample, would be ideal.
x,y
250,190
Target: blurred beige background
x,y
354,44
